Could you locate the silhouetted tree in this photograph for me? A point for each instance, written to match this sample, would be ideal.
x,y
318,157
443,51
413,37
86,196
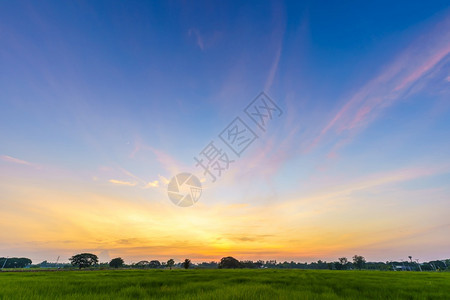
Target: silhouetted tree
x,y
170,263
259,263
116,262
154,264
142,264
206,265
248,264
341,264
84,260
359,261
229,263
187,263
271,264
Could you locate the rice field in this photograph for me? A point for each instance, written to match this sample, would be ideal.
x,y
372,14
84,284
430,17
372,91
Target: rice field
x,y
224,284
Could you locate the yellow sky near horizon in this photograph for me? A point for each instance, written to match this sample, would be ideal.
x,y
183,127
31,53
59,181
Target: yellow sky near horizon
x,y
44,219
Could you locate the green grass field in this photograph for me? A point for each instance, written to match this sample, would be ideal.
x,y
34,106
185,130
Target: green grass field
x,y
224,284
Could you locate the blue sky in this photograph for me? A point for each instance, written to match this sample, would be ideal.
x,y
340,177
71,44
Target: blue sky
x,y
103,102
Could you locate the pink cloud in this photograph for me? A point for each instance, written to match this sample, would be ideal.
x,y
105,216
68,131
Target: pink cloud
x,y
426,66
412,66
273,69
277,38
11,159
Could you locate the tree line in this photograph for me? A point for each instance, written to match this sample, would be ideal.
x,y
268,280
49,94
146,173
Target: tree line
x,y
14,262
89,260
85,260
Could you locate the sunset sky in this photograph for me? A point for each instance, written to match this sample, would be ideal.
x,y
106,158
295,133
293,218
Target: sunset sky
x,y
103,102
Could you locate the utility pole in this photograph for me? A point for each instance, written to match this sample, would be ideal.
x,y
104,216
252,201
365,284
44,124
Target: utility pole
x,y
403,265
57,262
393,266
433,266
6,259
417,261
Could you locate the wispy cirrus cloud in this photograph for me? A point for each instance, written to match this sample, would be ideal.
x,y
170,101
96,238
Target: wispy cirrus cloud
x,y
412,66
169,163
204,40
120,182
139,181
15,160
277,38
274,68
134,180
198,38
151,184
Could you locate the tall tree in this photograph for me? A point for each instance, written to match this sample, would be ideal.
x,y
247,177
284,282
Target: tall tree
x,y
116,262
84,260
359,261
229,263
187,263
142,264
170,263
341,264
154,264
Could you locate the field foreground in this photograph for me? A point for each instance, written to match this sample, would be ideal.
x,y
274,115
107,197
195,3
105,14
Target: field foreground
x,y
224,284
